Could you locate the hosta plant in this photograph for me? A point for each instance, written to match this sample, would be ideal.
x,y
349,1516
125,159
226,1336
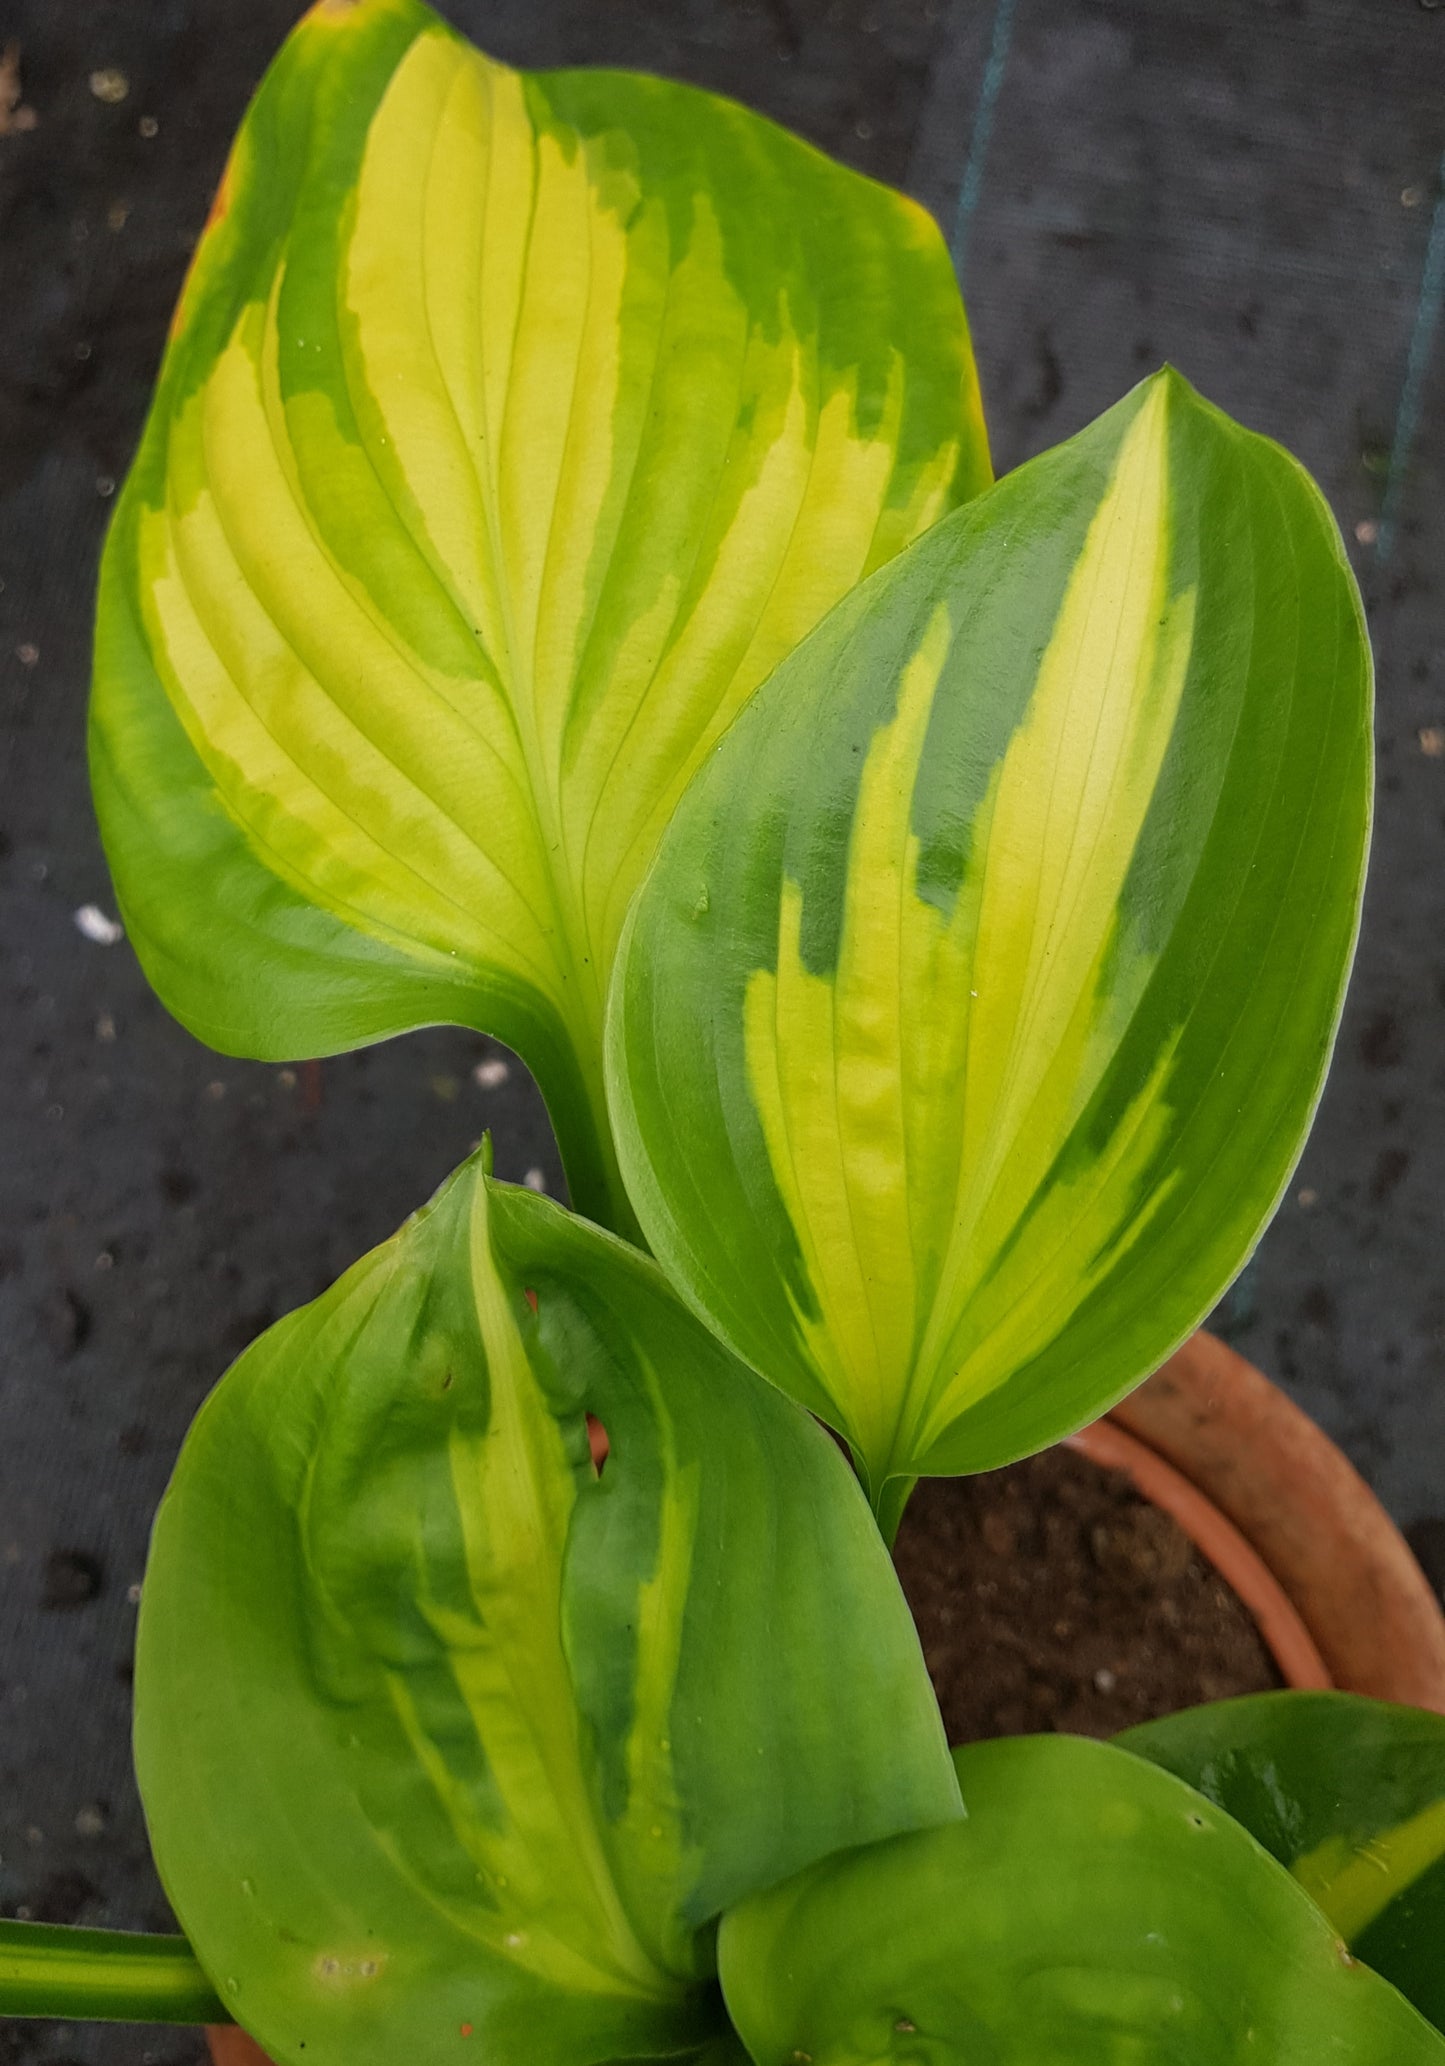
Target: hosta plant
x,y
561,591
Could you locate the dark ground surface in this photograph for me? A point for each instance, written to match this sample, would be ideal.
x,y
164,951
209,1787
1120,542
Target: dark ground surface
x,y
1245,187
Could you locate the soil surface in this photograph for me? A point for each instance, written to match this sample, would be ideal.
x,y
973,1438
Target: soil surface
x,y
1051,1596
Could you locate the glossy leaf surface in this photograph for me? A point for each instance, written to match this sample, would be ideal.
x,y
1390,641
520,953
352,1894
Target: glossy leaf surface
x,y
972,1016
512,429
1350,1795
1089,1910
440,1733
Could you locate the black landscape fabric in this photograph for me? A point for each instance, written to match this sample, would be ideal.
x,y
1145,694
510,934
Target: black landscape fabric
x,y
1246,188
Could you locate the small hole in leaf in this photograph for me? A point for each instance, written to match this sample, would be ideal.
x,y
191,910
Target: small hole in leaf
x,y
597,1438
530,1296
449,1380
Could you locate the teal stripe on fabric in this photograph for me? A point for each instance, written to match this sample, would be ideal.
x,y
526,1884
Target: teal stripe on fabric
x,y
1417,362
988,93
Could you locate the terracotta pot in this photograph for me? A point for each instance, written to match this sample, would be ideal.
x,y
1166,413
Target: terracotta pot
x,y
232,2047
1234,1557
1285,1519
1241,1468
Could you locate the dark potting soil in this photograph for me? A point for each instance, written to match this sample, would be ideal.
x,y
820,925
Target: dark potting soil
x,y
1049,1595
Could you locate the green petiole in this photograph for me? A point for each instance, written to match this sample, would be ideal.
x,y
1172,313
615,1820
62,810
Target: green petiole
x,y
114,1976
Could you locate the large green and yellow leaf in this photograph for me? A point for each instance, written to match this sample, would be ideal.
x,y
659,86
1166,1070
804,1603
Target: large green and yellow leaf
x,y
513,428
1089,1911
1350,1795
969,1023
441,1734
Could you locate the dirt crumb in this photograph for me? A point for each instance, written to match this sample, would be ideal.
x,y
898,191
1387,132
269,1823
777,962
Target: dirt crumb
x,y
15,117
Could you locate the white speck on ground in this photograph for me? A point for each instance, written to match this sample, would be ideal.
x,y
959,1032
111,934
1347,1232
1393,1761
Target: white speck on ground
x,y
92,921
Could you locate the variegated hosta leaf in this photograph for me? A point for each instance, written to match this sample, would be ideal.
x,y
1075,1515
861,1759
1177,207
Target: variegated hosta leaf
x,y
438,1732
513,428
1089,1911
972,1016
1350,1795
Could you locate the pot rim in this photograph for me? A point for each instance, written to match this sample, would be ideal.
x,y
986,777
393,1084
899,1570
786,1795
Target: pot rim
x,y
1301,1507
1281,1626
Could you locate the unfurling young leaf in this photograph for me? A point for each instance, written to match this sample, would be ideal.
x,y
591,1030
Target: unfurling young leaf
x,y
513,427
1088,1911
1350,1795
437,1731
968,1025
